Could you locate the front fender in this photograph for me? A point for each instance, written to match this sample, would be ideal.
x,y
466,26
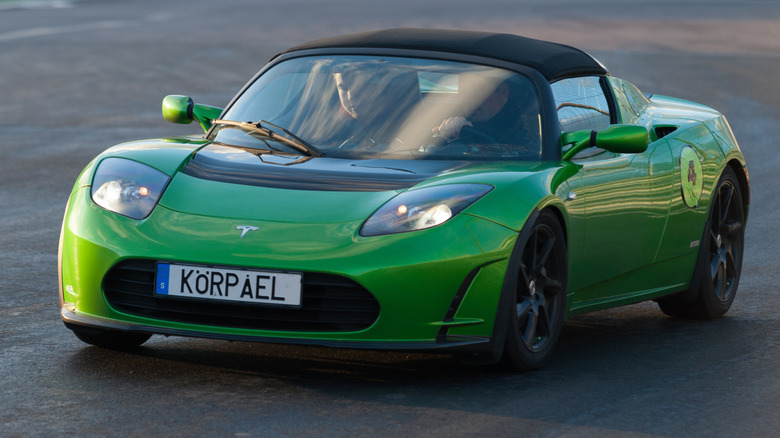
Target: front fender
x,y
166,155
511,203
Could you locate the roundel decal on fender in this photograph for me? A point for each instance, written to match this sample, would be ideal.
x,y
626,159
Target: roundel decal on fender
x,y
691,176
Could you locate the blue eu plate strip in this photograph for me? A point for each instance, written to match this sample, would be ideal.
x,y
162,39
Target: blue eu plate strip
x,y
161,284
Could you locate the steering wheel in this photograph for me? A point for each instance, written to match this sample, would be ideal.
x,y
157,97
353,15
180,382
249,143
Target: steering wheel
x,y
472,142
473,135
469,142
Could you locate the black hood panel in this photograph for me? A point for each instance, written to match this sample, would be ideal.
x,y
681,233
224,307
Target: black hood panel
x,y
247,166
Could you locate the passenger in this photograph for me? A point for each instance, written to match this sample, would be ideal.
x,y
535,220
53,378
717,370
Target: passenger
x,y
376,104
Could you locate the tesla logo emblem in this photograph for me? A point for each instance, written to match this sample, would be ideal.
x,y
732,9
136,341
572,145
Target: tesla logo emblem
x,y
245,229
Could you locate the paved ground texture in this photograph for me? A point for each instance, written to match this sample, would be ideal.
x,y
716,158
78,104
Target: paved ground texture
x,y
76,77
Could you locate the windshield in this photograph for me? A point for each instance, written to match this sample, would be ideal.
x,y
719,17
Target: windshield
x,y
394,108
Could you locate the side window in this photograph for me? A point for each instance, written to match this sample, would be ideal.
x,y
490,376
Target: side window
x,y
581,104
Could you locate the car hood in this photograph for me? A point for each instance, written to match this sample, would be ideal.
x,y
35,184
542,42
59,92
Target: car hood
x,y
238,182
214,180
249,166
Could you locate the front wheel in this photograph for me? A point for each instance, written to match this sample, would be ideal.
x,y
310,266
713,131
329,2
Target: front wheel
x,y
720,257
538,307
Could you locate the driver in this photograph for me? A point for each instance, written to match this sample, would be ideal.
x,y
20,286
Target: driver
x,y
491,112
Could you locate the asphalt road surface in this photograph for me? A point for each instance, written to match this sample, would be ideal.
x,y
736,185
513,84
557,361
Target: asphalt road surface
x,y
76,77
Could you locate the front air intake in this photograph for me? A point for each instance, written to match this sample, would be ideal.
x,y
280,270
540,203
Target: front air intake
x,y
329,303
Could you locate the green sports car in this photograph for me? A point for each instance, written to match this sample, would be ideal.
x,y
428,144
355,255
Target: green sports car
x,y
409,189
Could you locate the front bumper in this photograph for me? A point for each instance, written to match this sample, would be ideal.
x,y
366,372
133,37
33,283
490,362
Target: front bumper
x,y
436,288
74,320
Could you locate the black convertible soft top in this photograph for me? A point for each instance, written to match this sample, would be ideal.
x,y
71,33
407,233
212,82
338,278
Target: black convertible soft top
x,y
553,60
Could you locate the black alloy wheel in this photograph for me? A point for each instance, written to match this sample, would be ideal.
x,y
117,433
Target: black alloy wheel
x,y
540,301
726,241
719,264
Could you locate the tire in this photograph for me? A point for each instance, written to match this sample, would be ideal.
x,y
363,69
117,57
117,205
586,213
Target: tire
x,y
537,311
719,264
110,339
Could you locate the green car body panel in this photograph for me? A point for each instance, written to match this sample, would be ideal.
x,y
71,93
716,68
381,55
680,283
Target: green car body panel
x,y
631,231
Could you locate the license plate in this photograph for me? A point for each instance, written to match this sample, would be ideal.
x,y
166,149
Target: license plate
x,y
246,286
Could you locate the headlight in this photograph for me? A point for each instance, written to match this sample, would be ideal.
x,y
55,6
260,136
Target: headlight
x,y
423,208
127,187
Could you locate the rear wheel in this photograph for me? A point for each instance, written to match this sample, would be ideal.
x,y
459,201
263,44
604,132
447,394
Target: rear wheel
x,y
111,339
540,299
720,257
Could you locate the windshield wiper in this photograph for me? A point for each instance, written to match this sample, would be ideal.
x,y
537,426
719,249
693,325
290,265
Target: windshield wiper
x,y
288,138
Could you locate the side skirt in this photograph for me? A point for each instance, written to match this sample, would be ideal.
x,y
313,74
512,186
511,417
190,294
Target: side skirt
x,y
665,278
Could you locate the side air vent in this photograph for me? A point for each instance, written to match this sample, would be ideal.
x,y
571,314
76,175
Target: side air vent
x,y
663,131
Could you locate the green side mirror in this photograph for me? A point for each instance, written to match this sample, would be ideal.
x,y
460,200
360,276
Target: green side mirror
x,y
621,139
177,109
181,109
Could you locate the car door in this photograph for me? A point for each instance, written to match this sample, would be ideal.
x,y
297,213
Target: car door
x,y
621,200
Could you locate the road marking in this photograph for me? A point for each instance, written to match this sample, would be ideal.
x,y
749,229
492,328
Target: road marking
x,y
58,30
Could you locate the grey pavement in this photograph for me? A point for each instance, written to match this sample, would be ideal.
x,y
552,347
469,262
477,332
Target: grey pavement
x,y
79,76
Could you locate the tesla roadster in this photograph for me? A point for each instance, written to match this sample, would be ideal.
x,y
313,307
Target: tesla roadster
x,y
409,189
